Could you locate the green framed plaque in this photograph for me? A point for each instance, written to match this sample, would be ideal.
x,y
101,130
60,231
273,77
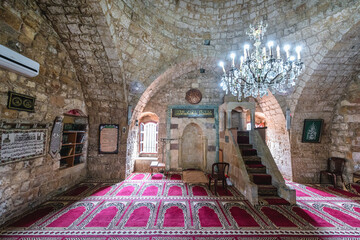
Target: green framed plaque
x,y
312,130
193,113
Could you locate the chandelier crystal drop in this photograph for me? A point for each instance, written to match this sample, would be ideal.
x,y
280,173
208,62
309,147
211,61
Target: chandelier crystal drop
x,y
261,70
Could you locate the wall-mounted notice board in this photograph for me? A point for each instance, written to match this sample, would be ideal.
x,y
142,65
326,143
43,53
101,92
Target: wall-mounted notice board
x,y
108,138
21,144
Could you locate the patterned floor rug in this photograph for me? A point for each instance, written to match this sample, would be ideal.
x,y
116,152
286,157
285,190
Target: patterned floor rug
x,y
163,207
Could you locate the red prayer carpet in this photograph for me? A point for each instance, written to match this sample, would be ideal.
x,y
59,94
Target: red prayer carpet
x,y
163,207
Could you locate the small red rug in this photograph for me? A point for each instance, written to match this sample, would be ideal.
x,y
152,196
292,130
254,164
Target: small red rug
x,y
174,217
208,218
277,218
311,218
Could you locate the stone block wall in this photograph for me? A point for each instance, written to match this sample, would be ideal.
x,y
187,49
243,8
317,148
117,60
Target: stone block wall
x,y
201,142
25,184
173,93
345,129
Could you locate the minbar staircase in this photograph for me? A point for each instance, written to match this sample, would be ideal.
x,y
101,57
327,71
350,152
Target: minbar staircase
x,y
257,171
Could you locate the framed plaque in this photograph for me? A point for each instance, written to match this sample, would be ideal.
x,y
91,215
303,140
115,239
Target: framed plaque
x,y
108,138
312,130
21,102
20,144
193,113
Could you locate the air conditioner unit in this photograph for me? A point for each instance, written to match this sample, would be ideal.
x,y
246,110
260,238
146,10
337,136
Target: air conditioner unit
x,y
16,62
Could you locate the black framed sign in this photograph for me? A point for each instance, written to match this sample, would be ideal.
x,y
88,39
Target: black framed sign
x,y
108,138
21,102
312,130
22,144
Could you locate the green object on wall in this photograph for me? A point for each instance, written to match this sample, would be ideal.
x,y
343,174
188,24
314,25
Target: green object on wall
x,y
312,130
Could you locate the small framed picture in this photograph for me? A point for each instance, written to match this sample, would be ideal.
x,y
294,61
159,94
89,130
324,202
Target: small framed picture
x,y
109,138
312,130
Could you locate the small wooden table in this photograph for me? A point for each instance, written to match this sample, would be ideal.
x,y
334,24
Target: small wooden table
x,y
156,164
356,177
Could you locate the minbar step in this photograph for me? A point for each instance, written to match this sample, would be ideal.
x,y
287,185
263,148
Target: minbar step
x,y
245,146
261,179
249,152
267,190
251,158
257,169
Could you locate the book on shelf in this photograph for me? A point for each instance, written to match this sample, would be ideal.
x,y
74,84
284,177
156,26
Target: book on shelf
x,y
71,151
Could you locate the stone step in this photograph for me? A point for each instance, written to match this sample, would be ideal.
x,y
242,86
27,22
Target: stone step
x,y
256,170
249,152
251,159
255,165
243,133
252,162
261,178
243,140
267,190
245,146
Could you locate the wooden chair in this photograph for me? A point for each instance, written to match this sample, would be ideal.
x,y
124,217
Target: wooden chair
x,y
219,172
335,167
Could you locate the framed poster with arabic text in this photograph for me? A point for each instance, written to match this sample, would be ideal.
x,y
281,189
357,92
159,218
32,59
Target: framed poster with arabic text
x,y
312,130
21,102
22,144
108,138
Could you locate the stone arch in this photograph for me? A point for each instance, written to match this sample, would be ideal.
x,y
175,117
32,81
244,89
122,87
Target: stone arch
x,y
277,136
83,29
148,117
318,100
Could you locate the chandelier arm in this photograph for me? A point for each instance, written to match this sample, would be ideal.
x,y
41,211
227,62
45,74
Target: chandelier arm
x,y
243,79
272,81
287,72
252,73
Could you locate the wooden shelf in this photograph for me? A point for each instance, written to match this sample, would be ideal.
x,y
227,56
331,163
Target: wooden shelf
x,y
74,131
73,142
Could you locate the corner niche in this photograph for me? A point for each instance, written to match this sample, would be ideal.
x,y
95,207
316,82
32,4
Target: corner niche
x,y
74,139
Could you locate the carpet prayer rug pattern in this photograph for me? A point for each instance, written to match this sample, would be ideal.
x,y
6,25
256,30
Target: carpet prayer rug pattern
x,y
160,207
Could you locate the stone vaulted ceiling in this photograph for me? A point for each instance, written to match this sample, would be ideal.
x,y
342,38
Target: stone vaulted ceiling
x,y
125,40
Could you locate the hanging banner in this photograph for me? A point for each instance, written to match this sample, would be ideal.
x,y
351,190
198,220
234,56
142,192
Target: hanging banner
x,y
55,142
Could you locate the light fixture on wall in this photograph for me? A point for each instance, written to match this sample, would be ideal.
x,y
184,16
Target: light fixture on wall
x,y
262,69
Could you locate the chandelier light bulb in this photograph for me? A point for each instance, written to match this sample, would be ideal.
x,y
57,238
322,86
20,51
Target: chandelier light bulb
x,y
278,51
232,55
287,48
298,50
246,51
292,58
270,45
221,64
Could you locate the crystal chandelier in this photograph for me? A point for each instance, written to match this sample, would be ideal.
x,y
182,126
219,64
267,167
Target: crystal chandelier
x,y
261,70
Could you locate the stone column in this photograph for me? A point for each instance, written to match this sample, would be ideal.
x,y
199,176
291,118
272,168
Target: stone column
x,y
252,119
228,118
243,121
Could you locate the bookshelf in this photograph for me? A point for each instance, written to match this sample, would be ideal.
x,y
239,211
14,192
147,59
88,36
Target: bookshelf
x,y
73,145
